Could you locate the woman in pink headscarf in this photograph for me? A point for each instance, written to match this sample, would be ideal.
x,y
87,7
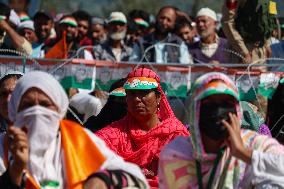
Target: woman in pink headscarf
x,y
148,126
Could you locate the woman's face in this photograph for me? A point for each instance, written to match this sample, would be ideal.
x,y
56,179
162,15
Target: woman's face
x,y
213,110
35,96
142,104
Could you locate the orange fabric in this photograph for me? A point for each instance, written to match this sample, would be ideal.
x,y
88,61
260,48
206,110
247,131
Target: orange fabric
x,y
120,89
31,183
81,156
142,79
214,84
59,50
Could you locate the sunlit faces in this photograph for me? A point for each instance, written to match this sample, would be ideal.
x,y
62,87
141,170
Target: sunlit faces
x,y
187,34
43,27
98,32
166,20
142,104
206,26
29,34
83,28
117,30
35,96
71,31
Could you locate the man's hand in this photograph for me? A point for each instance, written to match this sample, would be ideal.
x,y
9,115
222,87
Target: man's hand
x,y
4,25
268,52
247,59
235,141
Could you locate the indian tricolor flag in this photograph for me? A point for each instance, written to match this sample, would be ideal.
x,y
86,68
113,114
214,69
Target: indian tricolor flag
x,y
141,22
76,76
70,21
59,50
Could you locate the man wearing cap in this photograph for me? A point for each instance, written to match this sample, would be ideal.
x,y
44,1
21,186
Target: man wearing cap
x,y
27,30
98,30
210,48
162,46
7,84
114,49
138,27
9,38
69,25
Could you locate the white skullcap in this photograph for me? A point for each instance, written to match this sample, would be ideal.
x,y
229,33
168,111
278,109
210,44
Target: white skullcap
x,y
207,12
27,24
117,17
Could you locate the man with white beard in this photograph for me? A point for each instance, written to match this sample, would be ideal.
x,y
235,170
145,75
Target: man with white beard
x,y
211,48
114,49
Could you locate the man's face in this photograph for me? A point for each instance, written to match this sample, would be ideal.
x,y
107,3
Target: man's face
x,y
98,32
187,34
43,28
6,89
29,34
117,30
166,21
116,27
134,36
83,28
206,26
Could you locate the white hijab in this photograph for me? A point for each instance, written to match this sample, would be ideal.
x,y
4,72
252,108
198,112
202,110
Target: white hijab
x,y
45,162
43,81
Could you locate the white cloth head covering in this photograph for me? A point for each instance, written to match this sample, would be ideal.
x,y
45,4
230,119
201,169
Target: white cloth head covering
x,y
207,12
86,104
14,18
43,81
42,124
117,17
29,24
10,72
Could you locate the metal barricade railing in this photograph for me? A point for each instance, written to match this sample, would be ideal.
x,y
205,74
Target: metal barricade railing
x,y
176,78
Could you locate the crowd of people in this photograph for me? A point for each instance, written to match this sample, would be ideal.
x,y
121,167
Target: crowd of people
x,y
131,136
171,37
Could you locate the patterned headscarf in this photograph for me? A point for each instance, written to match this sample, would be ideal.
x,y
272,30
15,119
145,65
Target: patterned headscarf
x,y
165,109
178,167
127,139
206,85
